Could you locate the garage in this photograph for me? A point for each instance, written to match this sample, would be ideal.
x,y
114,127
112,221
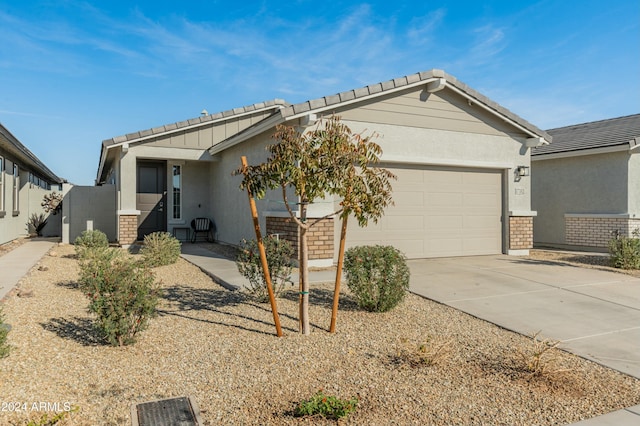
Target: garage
x,y
439,212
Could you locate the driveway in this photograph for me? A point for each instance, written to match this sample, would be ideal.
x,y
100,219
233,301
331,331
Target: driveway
x,y
595,313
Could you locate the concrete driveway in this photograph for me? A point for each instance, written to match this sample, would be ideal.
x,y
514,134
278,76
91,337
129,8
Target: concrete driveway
x,y
595,313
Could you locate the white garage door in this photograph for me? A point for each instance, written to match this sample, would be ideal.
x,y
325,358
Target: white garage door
x,y
439,212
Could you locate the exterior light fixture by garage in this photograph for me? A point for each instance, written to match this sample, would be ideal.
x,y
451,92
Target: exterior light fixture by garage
x,y
522,171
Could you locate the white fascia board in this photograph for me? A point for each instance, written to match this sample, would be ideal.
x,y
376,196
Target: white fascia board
x,y
579,153
260,127
634,143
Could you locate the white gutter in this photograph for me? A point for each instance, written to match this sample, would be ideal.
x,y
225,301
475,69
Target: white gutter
x,y
581,152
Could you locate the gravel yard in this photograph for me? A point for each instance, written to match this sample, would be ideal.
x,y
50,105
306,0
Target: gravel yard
x,y
219,347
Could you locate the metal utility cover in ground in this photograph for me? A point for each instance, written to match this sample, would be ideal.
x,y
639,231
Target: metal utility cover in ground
x,y
182,411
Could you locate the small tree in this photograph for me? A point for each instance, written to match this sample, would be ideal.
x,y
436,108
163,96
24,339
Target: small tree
x,y
329,160
52,203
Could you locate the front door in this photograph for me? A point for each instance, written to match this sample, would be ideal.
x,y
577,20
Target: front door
x,y
151,197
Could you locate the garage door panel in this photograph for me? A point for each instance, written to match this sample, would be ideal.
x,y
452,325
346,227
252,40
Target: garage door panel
x,y
439,212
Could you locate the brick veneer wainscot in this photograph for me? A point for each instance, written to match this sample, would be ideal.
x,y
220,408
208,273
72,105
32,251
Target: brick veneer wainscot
x,y
320,236
597,231
520,232
127,229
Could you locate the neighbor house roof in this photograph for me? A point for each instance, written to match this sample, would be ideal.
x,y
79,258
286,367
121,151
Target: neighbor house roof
x,y
438,79
21,153
622,132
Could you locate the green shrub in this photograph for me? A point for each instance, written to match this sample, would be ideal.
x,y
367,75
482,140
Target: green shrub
x,y
121,293
90,240
4,331
160,248
378,276
278,253
624,252
326,406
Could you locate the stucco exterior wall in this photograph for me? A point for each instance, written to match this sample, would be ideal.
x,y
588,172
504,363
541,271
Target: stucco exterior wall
x,y
88,208
587,184
13,223
634,183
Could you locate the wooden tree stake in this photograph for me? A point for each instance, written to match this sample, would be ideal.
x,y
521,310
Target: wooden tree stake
x,y
263,257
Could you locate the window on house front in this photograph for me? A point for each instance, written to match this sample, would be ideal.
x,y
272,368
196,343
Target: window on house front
x,y
16,188
176,191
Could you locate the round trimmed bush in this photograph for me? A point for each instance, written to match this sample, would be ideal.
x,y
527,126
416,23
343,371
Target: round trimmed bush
x,y
92,239
378,276
160,248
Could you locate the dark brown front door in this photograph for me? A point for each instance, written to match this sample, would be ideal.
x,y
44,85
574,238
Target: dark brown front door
x,y
151,197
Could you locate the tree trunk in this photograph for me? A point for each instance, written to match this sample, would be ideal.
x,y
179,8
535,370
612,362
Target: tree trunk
x,y
336,289
303,260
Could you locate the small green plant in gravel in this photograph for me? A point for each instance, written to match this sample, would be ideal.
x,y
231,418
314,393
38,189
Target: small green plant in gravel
x,y
90,240
122,294
278,253
4,331
378,276
50,420
327,406
624,252
160,248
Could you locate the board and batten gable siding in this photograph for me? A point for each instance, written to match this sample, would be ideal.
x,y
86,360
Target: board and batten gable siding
x,y
443,110
204,137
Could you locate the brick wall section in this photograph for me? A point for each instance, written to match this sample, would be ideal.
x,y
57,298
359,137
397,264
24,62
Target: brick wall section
x,y
320,236
597,231
127,229
520,232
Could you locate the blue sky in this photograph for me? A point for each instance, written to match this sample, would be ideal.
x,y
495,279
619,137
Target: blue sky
x,y
73,73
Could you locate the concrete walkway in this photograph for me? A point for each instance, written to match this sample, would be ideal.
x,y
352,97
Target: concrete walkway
x,y
15,264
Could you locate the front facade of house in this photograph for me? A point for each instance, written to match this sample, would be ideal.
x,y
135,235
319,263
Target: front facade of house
x,y
458,156
586,185
24,181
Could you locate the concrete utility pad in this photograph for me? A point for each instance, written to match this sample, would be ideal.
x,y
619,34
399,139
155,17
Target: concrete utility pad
x,y
595,313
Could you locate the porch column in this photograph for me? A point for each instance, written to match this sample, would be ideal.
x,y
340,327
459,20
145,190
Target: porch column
x,y
127,227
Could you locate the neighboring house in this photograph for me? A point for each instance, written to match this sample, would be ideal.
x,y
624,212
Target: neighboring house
x,y
24,180
586,185
459,157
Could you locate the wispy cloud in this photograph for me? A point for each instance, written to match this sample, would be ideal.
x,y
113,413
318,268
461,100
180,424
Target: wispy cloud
x,y
421,29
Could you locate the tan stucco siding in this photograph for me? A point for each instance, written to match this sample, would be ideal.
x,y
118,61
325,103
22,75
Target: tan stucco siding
x,y
442,110
593,184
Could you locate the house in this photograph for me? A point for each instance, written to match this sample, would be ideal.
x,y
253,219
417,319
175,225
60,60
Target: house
x,y
24,180
462,163
586,185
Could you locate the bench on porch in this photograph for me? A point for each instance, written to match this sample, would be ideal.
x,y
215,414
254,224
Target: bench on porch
x,y
203,226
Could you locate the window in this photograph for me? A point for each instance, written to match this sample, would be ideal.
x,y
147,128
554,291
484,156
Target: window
x,y
1,184
176,192
16,188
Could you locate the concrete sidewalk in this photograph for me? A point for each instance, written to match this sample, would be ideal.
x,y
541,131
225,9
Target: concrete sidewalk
x,y
225,272
15,264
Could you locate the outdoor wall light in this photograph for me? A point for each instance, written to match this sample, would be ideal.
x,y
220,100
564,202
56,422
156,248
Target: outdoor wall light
x,y
522,171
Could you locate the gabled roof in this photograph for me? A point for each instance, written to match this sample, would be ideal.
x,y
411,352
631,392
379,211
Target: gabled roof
x,y
437,77
21,153
196,122
623,132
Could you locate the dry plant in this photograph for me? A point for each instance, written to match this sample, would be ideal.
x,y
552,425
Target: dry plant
x,y
429,353
539,358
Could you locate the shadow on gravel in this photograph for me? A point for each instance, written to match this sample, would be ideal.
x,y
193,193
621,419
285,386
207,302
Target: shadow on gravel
x,y
185,298
79,329
324,297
